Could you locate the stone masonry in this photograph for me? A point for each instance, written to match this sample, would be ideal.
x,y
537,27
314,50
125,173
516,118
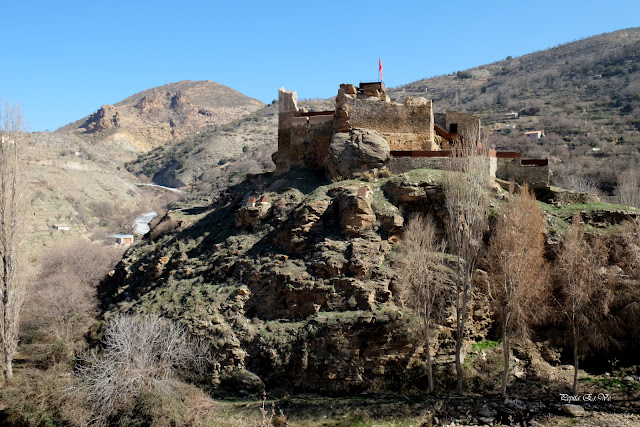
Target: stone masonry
x,y
414,135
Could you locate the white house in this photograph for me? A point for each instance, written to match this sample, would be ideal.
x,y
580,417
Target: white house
x,y
535,134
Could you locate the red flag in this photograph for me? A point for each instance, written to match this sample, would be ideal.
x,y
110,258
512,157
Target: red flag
x,y
380,67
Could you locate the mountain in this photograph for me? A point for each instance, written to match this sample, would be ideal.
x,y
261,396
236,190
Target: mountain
x,y
75,174
219,155
152,117
584,94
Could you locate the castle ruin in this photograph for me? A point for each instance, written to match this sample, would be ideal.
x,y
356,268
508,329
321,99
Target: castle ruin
x,y
414,136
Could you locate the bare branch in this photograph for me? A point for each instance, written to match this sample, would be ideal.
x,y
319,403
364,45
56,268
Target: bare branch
x,y
516,266
13,289
140,354
467,201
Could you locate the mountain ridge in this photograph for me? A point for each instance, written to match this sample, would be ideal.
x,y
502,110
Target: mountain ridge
x,y
585,95
157,115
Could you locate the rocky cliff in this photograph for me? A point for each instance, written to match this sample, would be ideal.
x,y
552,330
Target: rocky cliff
x,y
301,292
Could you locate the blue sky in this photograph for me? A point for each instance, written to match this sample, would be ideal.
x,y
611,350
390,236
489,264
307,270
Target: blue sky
x,y
63,60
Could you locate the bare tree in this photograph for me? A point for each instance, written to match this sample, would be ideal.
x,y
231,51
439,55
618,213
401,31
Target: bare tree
x,y
467,200
141,354
423,278
630,233
582,184
629,188
12,288
628,295
62,302
583,296
56,316
516,265
88,261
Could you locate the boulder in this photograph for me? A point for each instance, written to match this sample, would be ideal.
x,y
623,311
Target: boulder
x,y
242,381
355,152
573,410
355,211
391,222
249,218
350,89
366,255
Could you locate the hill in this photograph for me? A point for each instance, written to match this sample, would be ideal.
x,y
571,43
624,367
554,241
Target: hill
x,y
75,174
218,155
69,183
305,296
155,116
584,94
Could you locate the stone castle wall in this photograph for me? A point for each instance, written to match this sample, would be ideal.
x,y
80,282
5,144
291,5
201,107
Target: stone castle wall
x,y
404,164
406,127
303,138
468,125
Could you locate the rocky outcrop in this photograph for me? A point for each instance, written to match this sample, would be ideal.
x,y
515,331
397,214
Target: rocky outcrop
x,y
307,296
354,206
103,119
157,115
249,217
355,152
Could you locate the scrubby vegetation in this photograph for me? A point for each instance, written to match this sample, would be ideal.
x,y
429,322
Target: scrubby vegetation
x,y
585,95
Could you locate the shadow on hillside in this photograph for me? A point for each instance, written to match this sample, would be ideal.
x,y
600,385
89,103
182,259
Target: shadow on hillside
x,y
202,240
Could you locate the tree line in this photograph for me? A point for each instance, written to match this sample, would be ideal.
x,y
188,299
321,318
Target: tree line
x,y
574,291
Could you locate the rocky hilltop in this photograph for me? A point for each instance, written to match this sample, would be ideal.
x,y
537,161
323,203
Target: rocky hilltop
x,y
294,281
155,116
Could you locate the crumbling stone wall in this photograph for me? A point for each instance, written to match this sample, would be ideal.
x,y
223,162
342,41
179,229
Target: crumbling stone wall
x,y
467,125
535,174
406,127
303,138
399,165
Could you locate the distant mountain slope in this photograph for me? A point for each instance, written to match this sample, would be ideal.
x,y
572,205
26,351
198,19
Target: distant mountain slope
x,y
219,155
154,116
584,94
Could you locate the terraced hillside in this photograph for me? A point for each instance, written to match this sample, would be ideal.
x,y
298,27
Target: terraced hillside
x,y
585,95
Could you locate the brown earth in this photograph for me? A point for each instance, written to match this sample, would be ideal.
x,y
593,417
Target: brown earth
x,y
155,116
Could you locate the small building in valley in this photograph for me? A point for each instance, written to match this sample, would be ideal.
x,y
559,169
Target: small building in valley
x,y
121,239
